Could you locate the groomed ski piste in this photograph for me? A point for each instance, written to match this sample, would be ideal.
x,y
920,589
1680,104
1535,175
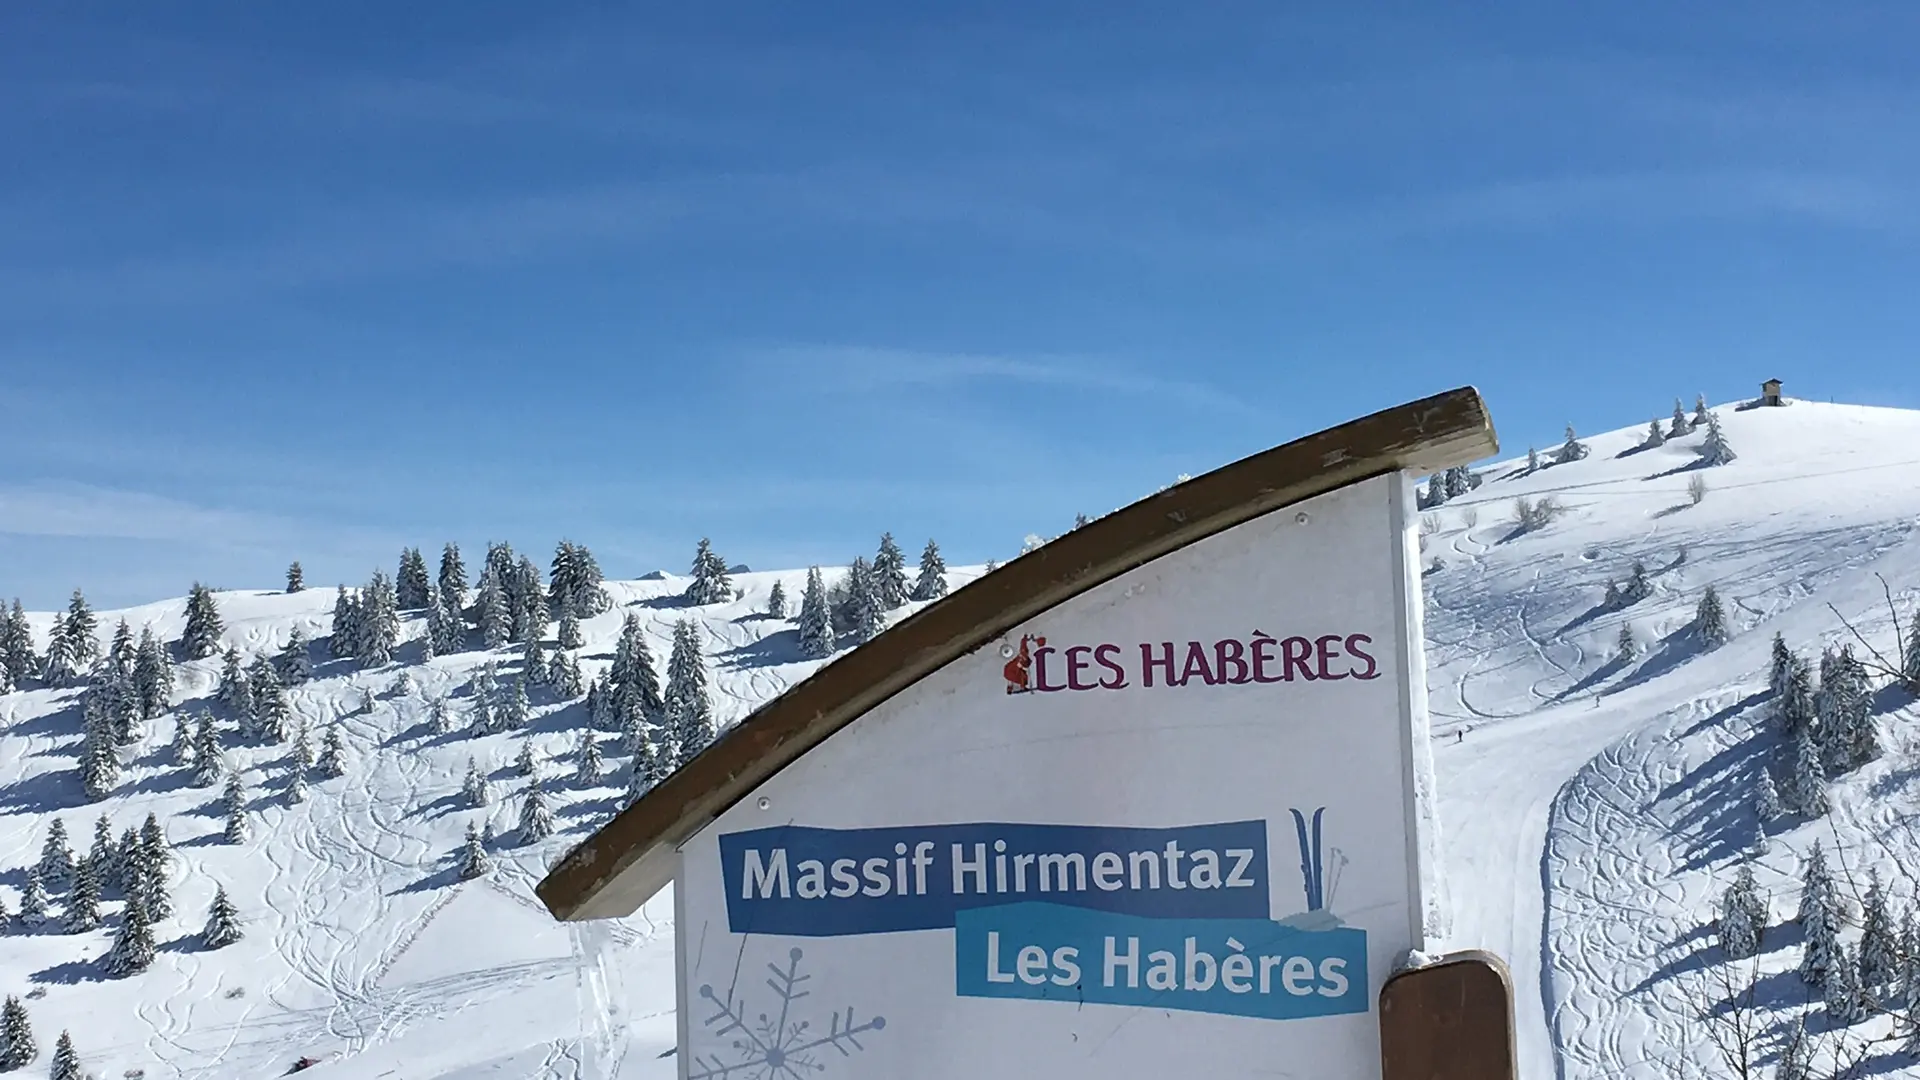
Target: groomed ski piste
x,y
1592,809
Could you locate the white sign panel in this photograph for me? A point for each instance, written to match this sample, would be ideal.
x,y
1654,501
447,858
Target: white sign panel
x,y
1165,829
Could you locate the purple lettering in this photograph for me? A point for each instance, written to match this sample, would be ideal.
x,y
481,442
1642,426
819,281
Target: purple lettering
x,y
1372,670
1298,652
1040,669
1077,663
1326,655
1262,656
1229,659
1104,656
1164,662
1197,661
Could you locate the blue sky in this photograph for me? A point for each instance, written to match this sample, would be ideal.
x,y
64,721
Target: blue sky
x,y
297,281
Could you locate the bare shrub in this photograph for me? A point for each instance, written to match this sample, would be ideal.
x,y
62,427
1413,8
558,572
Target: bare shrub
x,y
1697,489
1531,514
1470,517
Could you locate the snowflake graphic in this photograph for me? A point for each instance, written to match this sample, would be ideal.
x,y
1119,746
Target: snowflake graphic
x,y
772,1047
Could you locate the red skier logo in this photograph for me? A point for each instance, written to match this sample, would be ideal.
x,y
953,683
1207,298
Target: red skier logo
x,y
1019,670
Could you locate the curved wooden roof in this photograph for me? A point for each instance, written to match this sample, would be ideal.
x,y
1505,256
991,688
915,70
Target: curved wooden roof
x,y
631,857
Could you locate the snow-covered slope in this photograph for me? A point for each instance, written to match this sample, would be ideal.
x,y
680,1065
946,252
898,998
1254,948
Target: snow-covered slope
x,y
1590,807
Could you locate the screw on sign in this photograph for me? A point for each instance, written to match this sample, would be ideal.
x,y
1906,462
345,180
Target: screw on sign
x,y
1051,821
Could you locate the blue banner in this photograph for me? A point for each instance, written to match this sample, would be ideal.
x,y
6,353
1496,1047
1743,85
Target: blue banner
x,y
812,882
1239,967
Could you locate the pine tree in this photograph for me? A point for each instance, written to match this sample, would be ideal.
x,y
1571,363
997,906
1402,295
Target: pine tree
x,y
132,950
1766,798
411,582
473,857
1809,778
126,860
1700,413
863,605
1680,426
816,619
490,611
1710,620
1638,586
536,818
296,580
343,640
1849,733
777,601
689,717
271,712
99,758
563,676
101,854
439,717
1909,658
569,633
296,785
235,804
152,676
590,767
66,1063
1793,710
533,661
1879,941
1782,665
17,1048
528,611
1818,918
524,764
33,900
475,786
644,771
931,584
206,753
80,628
182,745
294,664
56,858
632,689
201,638
223,922
83,900
1714,449
333,753
59,667
453,578
16,646
1456,479
1625,647
1846,1000
512,714
1738,937
122,705
711,583
1571,450
1436,492
575,583
379,622
889,574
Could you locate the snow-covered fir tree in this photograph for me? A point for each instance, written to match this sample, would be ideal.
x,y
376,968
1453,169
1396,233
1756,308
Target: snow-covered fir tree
x,y
1458,483
1844,707
632,688
295,660
333,753
575,584
563,676
1809,778
181,748
122,705
1680,426
528,608
33,900
1572,449
590,767
889,574
119,655
126,860
17,1047
223,922
18,658
1710,620
201,638
536,817
82,913
524,763
568,634
296,578
271,712
711,583
1793,709
1819,919
1909,657
439,716
1434,494
153,840
1700,413
453,578
1639,586
1739,938
59,667
101,853
231,675
235,806
689,717
473,862
862,615
410,583
378,622
931,584
343,641
1782,665
296,784
490,611
475,786
152,676
1714,449
643,772
1879,941
816,619
777,601
1846,1000
99,757
513,711
66,1061
132,950
206,752
533,660
1624,645
1767,805
56,855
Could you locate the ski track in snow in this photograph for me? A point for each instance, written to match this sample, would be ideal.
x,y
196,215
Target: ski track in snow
x,y
1587,803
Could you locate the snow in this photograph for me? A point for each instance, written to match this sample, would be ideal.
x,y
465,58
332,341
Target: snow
x,y
1591,811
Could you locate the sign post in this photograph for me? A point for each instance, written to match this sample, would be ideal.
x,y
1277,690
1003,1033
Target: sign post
x,y
1154,797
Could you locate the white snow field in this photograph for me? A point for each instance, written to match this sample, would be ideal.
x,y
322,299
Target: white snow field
x,y
1592,810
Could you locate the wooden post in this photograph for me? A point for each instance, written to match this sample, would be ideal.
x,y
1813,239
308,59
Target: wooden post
x,y
1449,1020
